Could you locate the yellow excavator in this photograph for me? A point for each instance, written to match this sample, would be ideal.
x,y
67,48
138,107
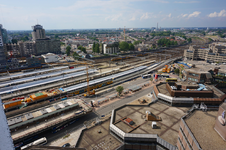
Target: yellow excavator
x,y
89,93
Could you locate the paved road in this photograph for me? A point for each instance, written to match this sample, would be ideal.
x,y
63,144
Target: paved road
x,y
110,107
102,111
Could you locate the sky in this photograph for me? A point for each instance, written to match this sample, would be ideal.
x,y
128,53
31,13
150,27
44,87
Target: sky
x,y
96,14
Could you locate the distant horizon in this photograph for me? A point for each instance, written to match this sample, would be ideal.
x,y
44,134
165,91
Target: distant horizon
x,y
97,14
125,28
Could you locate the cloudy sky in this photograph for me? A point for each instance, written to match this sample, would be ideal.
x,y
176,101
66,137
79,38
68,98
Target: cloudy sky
x,y
92,14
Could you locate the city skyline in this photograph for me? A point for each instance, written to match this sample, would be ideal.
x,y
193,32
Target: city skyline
x,y
88,14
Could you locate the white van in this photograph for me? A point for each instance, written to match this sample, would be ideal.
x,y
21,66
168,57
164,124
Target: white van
x,y
41,141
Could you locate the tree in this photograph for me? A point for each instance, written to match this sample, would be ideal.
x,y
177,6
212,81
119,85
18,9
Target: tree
x,y
14,41
189,40
75,55
175,43
119,89
168,44
83,49
172,38
68,50
177,71
124,46
93,48
97,48
131,46
25,38
61,43
56,36
136,42
184,37
204,33
80,47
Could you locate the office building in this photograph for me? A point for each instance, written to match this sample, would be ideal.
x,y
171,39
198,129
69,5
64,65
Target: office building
x,y
199,76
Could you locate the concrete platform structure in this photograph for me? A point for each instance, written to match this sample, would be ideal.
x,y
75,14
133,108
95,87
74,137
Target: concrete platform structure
x,y
30,123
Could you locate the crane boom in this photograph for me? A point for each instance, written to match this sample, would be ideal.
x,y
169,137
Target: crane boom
x,y
124,34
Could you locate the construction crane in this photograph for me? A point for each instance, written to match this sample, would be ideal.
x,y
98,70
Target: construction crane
x,y
124,34
89,93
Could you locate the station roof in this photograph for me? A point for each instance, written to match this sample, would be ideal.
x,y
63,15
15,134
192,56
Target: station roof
x,y
32,78
42,82
33,72
34,115
114,76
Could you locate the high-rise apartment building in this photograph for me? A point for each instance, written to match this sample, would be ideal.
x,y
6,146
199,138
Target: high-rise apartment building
x,y
2,52
215,53
4,35
43,45
38,32
27,48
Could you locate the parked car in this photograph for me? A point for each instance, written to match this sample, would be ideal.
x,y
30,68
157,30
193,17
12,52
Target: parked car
x,y
66,145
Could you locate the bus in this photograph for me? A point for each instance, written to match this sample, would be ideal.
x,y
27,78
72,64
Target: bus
x,y
41,141
146,76
171,79
165,75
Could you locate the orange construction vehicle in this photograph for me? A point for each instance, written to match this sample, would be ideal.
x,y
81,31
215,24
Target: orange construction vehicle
x,y
165,69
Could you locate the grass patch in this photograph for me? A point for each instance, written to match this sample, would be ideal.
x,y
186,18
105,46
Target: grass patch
x,y
197,38
66,136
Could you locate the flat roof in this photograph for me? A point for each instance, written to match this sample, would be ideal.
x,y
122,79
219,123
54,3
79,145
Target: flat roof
x,y
33,72
38,77
167,129
92,139
92,82
203,66
42,82
201,125
33,115
162,89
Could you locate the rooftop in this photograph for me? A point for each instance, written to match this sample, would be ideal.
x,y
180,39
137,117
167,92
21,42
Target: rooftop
x,y
162,89
167,129
201,125
92,139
